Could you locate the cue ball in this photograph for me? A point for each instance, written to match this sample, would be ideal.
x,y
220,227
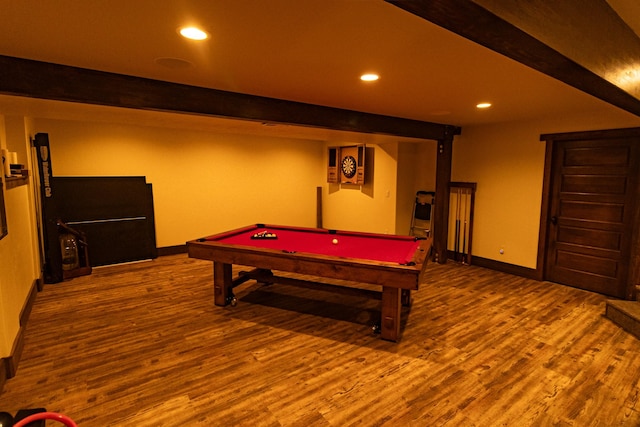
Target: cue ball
x,y
334,241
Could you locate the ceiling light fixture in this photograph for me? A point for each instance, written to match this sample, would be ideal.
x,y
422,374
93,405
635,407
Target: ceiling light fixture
x,y
369,77
483,105
193,33
173,63
627,78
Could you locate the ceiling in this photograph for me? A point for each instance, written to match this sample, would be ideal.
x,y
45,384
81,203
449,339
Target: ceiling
x,y
310,51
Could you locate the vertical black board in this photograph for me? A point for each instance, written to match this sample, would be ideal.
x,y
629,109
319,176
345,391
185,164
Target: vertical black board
x,y
52,270
115,213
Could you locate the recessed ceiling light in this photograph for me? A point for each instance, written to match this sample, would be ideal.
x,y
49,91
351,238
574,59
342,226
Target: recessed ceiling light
x,y
483,105
193,33
626,78
174,63
369,77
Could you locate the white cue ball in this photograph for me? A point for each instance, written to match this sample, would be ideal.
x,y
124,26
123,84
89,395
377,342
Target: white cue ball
x,y
334,241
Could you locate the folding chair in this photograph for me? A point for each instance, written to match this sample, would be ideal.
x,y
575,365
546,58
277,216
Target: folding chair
x,y
421,219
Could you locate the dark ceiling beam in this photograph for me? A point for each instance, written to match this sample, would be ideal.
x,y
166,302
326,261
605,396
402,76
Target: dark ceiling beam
x,y
533,46
35,79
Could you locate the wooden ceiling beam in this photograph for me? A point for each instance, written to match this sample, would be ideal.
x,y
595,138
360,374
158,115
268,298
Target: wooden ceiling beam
x,y
35,79
579,43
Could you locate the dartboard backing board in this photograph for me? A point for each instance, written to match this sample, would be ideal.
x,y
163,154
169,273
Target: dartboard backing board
x,y
346,164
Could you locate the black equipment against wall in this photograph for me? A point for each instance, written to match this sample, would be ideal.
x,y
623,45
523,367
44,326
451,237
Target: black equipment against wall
x,y
52,268
115,213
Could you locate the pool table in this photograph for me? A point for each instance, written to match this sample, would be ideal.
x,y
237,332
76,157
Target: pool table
x,y
396,263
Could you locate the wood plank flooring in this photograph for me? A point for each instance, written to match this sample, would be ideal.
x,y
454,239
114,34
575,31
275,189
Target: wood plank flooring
x,y
143,345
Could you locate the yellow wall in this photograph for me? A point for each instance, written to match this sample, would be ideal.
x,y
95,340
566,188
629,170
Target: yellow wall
x,y
203,182
19,253
6,332
416,171
506,160
207,181
370,207
395,172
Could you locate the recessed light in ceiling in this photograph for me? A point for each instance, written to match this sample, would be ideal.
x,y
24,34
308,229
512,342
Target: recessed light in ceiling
x,y
369,77
173,63
483,105
193,33
440,112
626,78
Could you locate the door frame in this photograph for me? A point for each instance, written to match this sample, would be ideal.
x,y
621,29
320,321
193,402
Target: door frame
x,y
633,276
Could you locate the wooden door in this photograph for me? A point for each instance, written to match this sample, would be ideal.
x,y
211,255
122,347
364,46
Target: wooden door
x,y
591,212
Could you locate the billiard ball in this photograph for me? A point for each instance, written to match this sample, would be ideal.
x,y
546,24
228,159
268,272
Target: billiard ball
x,y
334,241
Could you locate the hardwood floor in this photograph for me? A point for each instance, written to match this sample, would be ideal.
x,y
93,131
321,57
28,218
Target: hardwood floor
x,y
143,345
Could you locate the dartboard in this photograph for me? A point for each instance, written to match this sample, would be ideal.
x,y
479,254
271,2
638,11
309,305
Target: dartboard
x,y
349,166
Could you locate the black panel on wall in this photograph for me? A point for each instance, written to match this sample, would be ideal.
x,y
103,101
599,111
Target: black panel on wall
x,y
115,213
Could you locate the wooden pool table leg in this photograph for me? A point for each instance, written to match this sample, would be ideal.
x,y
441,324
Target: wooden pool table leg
x,y
390,322
222,283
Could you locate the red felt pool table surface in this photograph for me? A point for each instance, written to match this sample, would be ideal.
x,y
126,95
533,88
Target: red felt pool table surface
x,y
373,247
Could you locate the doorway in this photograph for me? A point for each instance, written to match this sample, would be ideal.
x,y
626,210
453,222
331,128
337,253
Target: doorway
x,y
589,223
